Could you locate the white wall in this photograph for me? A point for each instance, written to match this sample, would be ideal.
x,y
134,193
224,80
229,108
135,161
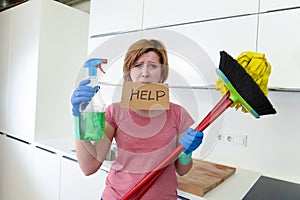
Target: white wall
x,y
272,141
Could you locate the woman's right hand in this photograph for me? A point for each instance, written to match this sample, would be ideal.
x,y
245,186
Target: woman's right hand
x,y
191,140
83,93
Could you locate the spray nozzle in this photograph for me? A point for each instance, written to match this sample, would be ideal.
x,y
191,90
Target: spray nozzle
x,y
93,64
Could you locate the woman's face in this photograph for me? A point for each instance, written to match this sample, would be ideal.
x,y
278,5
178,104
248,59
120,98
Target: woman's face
x,y
147,69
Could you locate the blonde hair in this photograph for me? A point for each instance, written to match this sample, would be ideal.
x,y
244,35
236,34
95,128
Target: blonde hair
x,y
144,46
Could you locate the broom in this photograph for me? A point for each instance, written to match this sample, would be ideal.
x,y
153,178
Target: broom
x,y
241,89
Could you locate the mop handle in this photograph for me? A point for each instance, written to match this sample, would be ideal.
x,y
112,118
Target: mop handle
x,y
215,112
218,109
222,105
148,185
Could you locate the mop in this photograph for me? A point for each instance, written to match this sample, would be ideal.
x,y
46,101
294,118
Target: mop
x,y
240,89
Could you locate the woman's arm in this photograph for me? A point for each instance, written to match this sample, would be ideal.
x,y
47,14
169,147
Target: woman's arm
x,y
180,168
190,140
183,169
90,155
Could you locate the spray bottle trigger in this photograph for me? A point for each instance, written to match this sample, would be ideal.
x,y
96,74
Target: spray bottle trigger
x,y
103,61
101,69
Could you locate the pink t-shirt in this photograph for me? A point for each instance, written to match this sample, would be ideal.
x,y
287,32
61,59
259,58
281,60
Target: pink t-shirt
x,y
143,142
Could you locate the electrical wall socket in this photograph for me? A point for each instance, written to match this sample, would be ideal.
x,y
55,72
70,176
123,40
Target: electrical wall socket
x,y
233,139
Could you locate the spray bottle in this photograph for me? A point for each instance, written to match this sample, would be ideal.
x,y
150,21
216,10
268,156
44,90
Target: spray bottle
x,y
92,114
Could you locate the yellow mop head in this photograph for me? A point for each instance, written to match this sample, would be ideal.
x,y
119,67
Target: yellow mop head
x,y
257,66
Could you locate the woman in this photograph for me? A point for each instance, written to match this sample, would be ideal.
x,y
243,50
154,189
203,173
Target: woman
x,y
143,137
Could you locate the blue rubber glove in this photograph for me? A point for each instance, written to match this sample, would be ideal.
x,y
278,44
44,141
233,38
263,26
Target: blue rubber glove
x,y
191,140
83,93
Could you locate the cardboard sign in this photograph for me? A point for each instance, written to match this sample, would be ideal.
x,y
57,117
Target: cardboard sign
x,y
150,96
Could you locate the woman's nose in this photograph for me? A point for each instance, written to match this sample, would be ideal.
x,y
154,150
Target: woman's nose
x,y
145,71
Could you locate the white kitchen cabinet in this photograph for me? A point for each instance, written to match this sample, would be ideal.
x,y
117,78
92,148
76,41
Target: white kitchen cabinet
x,y
76,186
63,50
4,62
18,170
22,70
281,43
269,5
2,156
234,35
193,47
113,48
48,44
93,43
46,174
30,173
172,12
108,16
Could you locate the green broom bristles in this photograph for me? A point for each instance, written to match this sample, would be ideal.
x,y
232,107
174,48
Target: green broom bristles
x,y
245,85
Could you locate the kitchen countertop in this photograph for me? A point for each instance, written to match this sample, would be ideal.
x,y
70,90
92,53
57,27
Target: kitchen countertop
x,y
233,188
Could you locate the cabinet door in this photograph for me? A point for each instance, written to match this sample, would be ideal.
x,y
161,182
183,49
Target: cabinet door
x,y
108,16
2,154
233,35
5,24
170,12
76,186
18,170
281,43
30,173
22,72
46,174
61,54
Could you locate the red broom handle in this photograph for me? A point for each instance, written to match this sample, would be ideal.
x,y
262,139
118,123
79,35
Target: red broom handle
x,y
148,185
219,108
215,112
148,180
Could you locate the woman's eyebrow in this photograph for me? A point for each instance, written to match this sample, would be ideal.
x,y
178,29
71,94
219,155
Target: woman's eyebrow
x,y
136,63
142,62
